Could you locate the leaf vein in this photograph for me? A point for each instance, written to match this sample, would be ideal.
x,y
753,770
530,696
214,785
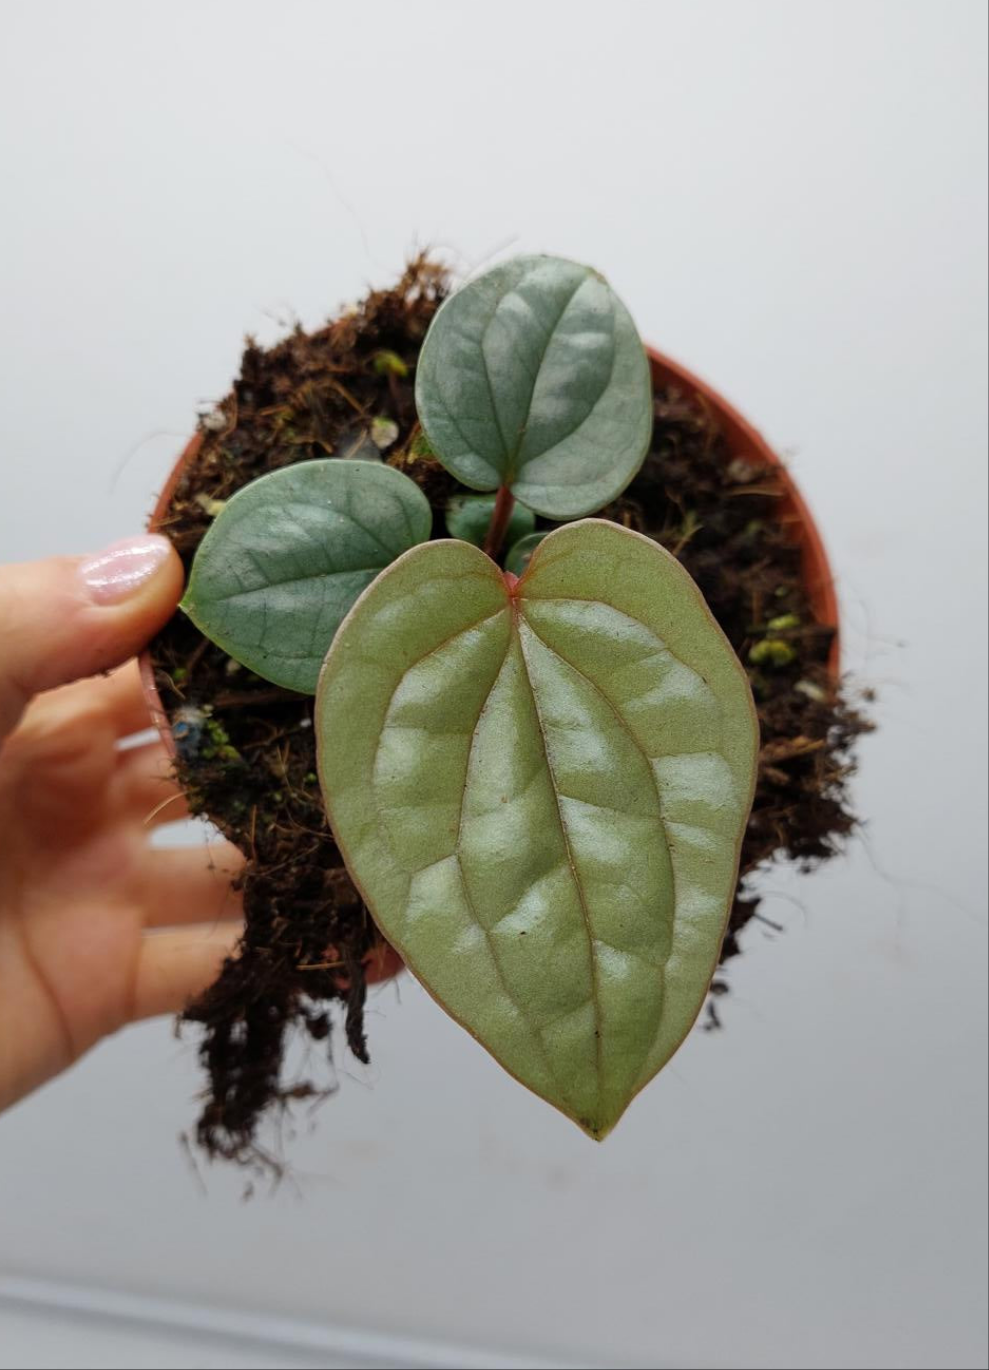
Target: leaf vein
x,y
585,911
659,798
293,580
499,970
535,379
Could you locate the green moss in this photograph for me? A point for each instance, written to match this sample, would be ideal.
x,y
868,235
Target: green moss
x,y
419,447
772,651
217,746
388,363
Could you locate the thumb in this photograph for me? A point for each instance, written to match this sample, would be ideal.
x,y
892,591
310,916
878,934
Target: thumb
x,y
70,617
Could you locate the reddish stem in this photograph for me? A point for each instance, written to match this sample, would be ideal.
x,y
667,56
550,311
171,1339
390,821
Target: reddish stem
x,y
498,527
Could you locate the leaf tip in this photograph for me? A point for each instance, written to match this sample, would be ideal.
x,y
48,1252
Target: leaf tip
x,y
597,1131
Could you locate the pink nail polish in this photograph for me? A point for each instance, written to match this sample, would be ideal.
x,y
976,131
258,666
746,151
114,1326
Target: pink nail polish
x,y
123,568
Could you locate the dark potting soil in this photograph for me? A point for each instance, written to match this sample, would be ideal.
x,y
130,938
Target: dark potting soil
x,y
247,754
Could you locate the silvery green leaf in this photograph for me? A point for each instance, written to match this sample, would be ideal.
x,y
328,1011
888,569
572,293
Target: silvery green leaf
x,y
288,555
521,552
533,377
541,792
469,517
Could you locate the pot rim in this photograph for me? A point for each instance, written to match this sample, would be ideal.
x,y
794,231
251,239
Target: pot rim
x,y
747,442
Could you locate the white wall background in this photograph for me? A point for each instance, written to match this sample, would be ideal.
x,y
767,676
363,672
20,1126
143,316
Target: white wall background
x,y
791,197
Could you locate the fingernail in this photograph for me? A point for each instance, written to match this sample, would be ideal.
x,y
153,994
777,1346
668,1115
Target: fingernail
x,y
123,568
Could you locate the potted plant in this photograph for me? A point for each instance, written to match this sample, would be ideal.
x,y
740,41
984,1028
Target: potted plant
x,y
479,595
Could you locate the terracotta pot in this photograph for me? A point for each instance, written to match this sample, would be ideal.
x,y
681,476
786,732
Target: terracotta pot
x,y
743,441
158,716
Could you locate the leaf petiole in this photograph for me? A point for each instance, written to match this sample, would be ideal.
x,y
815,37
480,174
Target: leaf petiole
x,y
500,517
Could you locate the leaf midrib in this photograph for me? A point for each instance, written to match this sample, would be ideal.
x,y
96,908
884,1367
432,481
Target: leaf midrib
x,y
495,958
547,451
564,833
293,580
652,775
510,607
511,457
515,604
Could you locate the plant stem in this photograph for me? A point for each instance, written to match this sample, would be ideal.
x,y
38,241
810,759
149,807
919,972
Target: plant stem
x,y
504,504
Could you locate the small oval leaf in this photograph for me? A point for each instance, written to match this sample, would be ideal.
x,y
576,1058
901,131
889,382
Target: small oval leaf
x,y
521,553
469,517
541,795
534,377
289,554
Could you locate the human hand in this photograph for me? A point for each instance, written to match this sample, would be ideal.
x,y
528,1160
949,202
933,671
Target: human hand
x,y
97,928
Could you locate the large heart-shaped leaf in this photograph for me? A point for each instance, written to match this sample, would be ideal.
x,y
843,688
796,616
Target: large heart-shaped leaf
x,y
541,792
533,377
289,554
